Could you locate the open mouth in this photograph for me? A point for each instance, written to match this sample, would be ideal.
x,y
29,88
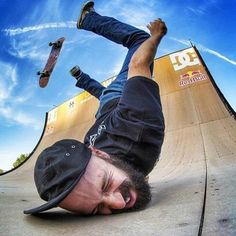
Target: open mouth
x,y
130,201
129,196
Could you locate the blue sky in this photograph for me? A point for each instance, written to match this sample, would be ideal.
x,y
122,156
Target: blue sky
x,y
27,26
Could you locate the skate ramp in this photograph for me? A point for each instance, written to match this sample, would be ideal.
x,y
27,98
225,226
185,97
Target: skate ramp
x,y
193,184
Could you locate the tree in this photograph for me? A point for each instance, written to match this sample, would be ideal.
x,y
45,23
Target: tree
x,y
20,159
1,171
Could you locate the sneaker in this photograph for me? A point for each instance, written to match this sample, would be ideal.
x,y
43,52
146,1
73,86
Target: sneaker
x,y
87,7
76,72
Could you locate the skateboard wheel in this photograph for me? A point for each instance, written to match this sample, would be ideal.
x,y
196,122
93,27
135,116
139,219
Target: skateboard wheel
x,y
45,73
50,44
38,73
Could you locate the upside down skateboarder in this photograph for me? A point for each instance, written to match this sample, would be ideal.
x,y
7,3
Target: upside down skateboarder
x,y
106,173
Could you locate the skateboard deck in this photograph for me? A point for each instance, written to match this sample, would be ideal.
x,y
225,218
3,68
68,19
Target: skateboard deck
x,y
51,62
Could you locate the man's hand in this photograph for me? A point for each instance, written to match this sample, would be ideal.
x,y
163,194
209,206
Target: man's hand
x,y
157,28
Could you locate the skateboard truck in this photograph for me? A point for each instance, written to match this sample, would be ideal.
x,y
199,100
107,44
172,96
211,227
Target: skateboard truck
x,y
43,74
56,44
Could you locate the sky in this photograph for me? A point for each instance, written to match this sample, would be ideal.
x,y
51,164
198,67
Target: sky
x,y
26,28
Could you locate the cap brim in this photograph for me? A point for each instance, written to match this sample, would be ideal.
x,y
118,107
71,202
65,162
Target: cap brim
x,y
54,202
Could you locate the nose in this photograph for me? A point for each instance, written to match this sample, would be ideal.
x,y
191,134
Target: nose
x,y
114,200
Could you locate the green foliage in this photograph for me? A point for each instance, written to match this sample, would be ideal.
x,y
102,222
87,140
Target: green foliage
x,y
20,159
1,171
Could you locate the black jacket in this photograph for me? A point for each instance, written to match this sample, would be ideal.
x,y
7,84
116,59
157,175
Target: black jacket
x,y
132,127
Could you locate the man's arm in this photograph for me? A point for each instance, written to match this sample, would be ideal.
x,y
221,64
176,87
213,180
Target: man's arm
x,y
144,56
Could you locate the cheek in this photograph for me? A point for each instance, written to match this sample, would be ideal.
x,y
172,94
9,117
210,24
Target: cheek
x,y
89,189
69,202
79,200
92,184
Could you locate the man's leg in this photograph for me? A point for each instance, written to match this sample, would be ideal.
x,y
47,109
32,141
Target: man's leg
x,y
85,82
120,33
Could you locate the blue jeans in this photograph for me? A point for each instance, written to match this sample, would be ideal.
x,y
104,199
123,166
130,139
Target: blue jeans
x,y
90,85
120,33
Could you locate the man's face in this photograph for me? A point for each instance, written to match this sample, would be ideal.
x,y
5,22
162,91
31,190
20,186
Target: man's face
x,y
108,186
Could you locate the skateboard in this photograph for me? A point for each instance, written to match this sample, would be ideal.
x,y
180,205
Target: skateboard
x,y
51,62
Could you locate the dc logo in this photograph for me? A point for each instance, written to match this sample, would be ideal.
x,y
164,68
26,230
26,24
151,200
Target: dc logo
x,y
188,57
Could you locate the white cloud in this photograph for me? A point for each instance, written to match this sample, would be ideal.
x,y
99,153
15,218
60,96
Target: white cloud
x,y
137,13
182,41
7,158
217,54
137,16
14,116
26,120
28,49
203,7
8,80
8,102
35,46
117,65
205,49
32,48
8,154
52,25
196,11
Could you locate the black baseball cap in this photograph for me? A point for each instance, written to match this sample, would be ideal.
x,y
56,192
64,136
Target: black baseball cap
x,y
57,171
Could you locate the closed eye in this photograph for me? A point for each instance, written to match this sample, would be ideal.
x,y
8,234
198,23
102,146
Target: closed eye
x,y
108,183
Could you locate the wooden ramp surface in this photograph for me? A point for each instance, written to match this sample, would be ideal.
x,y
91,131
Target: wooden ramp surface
x,y
193,184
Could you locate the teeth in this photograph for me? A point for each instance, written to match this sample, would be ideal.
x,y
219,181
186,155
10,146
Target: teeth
x,y
127,200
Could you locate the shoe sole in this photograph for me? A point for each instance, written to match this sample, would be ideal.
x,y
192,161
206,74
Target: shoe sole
x,y
75,70
86,5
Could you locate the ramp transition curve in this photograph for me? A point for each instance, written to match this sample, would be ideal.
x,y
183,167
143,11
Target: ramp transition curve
x,y
193,184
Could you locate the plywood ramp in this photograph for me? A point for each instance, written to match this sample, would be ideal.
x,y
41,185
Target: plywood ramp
x,y
193,184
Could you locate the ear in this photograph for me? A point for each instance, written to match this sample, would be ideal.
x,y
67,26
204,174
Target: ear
x,y
99,153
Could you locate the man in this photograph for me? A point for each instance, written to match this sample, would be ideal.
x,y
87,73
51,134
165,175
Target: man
x,y
106,174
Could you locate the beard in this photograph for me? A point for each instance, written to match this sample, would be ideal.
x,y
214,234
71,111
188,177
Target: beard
x,y
137,182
